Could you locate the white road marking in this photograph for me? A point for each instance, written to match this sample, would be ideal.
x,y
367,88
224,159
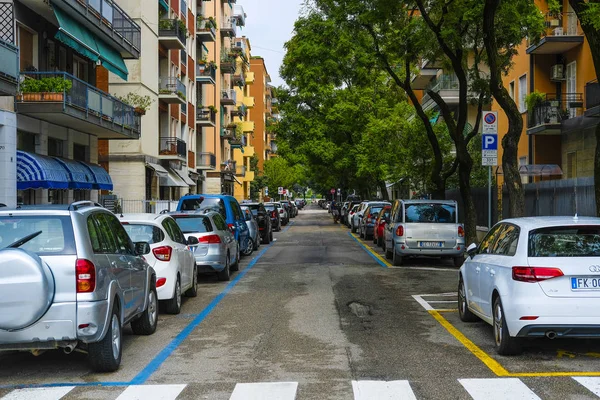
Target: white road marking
x,y
381,390
498,389
154,392
591,384
422,302
265,391
425,268
441,301
53,393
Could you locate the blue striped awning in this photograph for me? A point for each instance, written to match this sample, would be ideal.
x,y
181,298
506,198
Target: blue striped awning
x,y
35,171
80,177
102,179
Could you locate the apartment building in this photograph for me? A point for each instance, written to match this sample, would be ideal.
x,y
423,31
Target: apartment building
x,y
264,113
62,52
559,129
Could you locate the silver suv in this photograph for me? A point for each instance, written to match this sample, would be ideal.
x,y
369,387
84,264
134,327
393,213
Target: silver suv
x,y
71,277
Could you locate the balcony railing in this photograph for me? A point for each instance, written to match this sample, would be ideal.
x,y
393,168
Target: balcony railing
x,y
172,85
592,94
206,161
229,166
207,28
82,101
9,68
172,28
206,115
239,15
240,111
228,63
172,146
206,73
562,33
556,109
228,27
228,96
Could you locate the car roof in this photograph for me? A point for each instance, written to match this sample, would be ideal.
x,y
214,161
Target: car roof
x,y
52,209
530,223
425,201
142,217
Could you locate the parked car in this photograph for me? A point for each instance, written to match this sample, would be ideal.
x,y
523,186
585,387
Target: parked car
x,y
169,255
533,278
354,222
273,211
366,221
424,228
300,203
71,277
283,214
264,220
217,250
253,228
289,209
227,206
378,229
351,213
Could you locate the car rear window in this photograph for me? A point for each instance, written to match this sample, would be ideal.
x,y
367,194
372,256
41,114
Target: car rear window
x,y
270,207
565,241
430,213
193,223
144,233
56,237
204,204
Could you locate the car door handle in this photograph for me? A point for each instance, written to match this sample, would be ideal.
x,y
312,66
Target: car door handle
x,y
492,272
477,269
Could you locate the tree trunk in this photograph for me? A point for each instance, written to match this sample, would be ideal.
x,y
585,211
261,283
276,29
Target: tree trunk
x,y
465,167
384,193
510,142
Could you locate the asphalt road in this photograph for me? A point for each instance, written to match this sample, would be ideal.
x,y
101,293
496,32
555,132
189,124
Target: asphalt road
x,y
316,315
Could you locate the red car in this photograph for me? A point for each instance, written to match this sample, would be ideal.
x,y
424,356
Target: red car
x,y
380,225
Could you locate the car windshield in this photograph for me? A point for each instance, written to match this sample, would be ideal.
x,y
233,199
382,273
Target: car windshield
x,y
56,237
430,213
254,208
565,241
193,223
144,233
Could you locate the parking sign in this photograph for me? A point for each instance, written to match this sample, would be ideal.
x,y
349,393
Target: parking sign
x,y
490,122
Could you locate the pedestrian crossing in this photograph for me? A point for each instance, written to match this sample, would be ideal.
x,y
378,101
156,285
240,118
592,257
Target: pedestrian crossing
x,y
477,389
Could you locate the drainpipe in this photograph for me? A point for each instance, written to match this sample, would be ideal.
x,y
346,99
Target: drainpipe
x,y
531,86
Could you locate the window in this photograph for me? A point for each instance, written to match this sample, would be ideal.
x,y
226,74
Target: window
x,y
27,42
508,238
488,240
101,235
523,161
144,233
79,152
56,235
124,244
430,213
235,208
565,241
80,68
55,147
572,165
220,222
194,224
522,93
511,90
571,87
177,234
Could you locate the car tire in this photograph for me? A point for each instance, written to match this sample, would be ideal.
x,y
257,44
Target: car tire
x,y
506,345
267,238
458,261
463,309
193,291
257,243
173,306
224,275
353,228
248,249
236,266
396,259
105,355
147,322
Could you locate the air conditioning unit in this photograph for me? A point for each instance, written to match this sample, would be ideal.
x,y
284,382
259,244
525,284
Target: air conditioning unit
x,y
558,31
558,72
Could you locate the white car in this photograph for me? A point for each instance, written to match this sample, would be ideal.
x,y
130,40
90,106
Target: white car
x,y
358,214
283,215
534,277
170,256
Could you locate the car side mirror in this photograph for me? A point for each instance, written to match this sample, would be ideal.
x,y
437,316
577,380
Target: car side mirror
x,y
472,250
192,241
142,248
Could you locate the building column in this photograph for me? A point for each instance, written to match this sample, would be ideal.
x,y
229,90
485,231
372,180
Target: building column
x,y
8,158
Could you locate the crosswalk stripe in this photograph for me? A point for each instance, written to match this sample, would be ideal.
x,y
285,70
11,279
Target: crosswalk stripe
x,y
381,390
54,393
498,389
154,392
265,391
591,384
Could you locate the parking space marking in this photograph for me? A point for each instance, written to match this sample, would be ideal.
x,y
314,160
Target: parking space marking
x,y
591,384
154,392
426,304
498,389
382,262
54,393
265,391
379,390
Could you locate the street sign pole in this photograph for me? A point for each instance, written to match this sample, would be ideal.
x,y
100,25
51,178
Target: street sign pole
x,y
490,197
489,152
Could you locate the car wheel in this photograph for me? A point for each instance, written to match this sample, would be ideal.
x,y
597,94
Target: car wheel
x,y
146,323
396,259
353,228
257,243
193,291
463,309
224,275
505,344
236,266
173,306
248,247
268,237
105,355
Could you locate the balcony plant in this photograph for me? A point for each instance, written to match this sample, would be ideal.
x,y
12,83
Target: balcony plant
x,y
213,109
140,104
165,24
533,99
44,89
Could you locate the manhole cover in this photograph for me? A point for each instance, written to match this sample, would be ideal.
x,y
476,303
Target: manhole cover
x,y
359,309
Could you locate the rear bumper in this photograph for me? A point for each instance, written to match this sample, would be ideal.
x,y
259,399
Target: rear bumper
x,y
447,252
561,331
212,261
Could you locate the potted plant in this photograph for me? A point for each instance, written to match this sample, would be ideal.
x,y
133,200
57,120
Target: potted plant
x,y
140,104
45,89
533,99
213,109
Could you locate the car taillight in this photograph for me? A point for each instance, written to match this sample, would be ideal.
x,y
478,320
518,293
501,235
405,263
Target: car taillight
x,y
163,253
369,218
85,273
273,214
400,231
280,211
209,239
535,274
461,231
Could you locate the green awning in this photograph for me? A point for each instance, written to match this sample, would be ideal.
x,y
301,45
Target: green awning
x,y
204,47
80,39
164,5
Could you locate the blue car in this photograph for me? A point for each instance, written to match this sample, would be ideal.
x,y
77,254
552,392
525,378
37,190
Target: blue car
x,y
227,206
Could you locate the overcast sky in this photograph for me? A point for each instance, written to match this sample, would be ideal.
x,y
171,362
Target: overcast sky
x,y
269,24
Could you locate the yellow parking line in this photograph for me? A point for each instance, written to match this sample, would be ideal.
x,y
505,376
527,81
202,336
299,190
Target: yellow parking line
x,y
373,252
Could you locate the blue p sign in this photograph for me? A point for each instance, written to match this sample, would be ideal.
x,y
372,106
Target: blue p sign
x,y
489,142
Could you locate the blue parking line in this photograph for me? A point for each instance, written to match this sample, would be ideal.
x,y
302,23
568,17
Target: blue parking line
x,y
287,227
381,263
64,384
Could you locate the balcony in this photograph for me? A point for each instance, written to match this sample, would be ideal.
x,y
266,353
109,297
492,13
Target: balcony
x,y
228,63
249,102
228,167
228,27
206,29
172,33
238,79
239,15
249,78
546,118
81,107
247,126
249,151
562,34
206,161
228,97
592,99
240,171
9,69
424,75
172,91
447,86
273,148
240,111
172,148
206,73
227,133
206,117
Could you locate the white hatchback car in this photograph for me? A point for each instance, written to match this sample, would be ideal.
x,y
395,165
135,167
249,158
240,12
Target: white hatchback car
x,y
170,256
534,277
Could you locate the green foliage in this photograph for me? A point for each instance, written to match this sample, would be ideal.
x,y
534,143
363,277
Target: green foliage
x,y
555,7
533,99
53,85
137,101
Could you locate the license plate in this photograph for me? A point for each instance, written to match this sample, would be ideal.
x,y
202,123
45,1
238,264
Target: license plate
x,y
431,244
583,283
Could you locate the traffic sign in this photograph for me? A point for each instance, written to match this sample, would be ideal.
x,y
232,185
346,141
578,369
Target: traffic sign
x,y
339,191
266,191
490,122
284,192
332,191
280,190
489,161
489,142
